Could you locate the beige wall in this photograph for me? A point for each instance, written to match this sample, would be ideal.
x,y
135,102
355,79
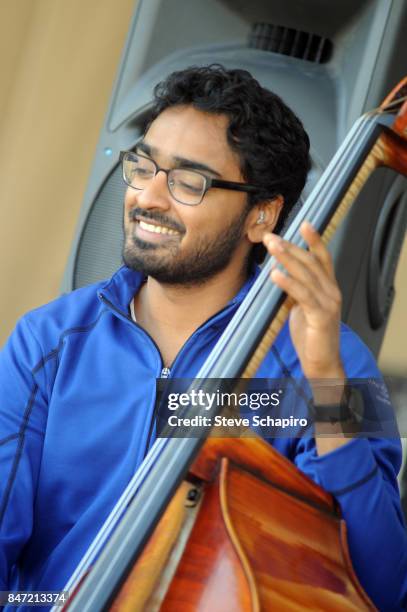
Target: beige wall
x,y
393,356
58,60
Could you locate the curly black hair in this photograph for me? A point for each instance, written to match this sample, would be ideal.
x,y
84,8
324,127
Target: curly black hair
x,y
268,137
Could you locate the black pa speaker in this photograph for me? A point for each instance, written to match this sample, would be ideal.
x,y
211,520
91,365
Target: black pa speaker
x,y
330,61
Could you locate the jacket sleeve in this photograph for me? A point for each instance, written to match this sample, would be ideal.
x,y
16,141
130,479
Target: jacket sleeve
x,y
362,475
23,410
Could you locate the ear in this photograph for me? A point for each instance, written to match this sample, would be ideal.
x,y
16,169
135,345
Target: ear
x,y
263,218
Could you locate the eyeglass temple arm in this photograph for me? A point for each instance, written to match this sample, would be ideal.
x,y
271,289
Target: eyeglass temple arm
x,y
232,186
243,186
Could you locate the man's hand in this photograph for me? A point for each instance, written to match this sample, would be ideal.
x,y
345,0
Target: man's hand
x,y
314,319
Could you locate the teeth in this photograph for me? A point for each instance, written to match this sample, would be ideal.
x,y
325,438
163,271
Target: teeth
x,y
156,229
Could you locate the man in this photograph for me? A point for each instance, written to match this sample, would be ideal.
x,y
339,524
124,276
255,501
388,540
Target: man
x,y
77,377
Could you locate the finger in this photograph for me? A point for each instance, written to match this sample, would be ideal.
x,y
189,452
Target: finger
x,y
303,267
285,252
319,250
300,264
317,246
306,297
299,292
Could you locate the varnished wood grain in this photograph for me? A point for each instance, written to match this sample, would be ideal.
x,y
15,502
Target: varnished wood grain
x,y
399,91
210,576
260,458
139,585
394,151
294,567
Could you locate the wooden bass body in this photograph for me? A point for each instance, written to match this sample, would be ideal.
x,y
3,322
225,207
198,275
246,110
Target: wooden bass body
x,y
243,533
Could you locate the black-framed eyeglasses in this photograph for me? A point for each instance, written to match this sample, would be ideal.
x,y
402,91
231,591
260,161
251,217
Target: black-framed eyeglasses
x,y
186,186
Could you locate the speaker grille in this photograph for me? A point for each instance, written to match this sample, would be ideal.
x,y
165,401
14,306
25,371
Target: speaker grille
x,y
100,245
288,41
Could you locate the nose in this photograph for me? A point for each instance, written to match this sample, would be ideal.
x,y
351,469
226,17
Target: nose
x,y
155,195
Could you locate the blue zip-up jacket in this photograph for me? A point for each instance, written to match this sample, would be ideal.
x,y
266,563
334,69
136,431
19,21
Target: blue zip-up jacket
x,y
77,392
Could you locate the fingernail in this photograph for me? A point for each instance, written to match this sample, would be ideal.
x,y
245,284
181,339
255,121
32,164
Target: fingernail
x,y
309,226
277,243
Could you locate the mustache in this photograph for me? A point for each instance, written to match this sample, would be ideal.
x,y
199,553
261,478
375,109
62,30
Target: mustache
x,y
140,213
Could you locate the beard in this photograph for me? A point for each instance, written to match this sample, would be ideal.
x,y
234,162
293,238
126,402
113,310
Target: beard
x,y
208,257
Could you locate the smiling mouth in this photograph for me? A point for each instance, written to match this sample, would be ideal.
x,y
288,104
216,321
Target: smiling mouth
x,y
157,229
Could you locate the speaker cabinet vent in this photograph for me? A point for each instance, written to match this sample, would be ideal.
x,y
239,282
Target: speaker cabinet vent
x,y
287,41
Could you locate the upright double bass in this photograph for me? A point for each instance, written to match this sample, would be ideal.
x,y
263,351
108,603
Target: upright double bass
x,y
229,524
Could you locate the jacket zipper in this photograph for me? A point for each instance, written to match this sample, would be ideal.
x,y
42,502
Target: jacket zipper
x,y
165,372
128,318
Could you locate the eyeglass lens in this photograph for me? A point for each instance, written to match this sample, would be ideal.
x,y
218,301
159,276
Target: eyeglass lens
x,y
186,186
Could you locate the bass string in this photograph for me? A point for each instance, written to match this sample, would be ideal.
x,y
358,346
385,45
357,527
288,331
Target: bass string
x,y
395,104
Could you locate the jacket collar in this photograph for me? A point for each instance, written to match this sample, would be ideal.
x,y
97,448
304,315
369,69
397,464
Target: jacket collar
x,y
124,284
